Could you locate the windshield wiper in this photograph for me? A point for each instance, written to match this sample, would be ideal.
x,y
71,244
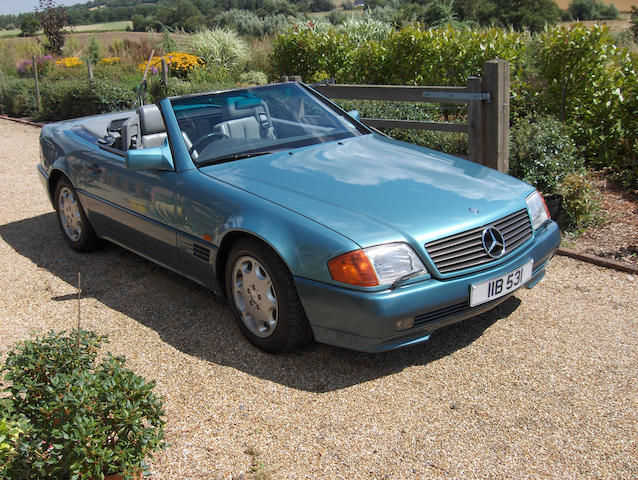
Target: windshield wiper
x,y
231,158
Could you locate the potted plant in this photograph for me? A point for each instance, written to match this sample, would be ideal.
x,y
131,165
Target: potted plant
x,y
84,417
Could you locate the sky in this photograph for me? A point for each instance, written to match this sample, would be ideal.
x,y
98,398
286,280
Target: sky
x,y
20,6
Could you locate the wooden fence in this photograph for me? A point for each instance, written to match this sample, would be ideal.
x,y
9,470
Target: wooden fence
x,y
487,98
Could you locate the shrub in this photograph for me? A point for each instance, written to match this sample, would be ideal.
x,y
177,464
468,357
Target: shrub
x,y
591,85
253,78
20,98
543,153
634,22
368,51
93,50
44,64
85,418
70,99
11,432
29,25
591,10
219,48
580,203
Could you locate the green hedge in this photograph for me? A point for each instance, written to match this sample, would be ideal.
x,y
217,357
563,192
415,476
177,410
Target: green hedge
x,y
574,73
72,98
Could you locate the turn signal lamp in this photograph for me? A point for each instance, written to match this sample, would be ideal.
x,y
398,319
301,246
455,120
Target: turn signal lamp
x,y
390,263
353,268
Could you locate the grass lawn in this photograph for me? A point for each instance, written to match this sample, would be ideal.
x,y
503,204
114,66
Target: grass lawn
x,y
95,27
102,27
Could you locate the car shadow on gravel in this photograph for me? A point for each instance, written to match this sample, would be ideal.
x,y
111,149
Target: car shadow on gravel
x,y
196,322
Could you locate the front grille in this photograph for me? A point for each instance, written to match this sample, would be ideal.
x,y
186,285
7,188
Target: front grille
x,y
465,250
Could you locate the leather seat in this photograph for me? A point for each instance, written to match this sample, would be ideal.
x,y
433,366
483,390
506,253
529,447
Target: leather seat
x,y
152,127
245,118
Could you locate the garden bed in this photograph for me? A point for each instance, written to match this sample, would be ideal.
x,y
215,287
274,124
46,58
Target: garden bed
x,y
616,235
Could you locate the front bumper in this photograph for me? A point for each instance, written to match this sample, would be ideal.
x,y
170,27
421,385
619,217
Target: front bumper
x,y
366,321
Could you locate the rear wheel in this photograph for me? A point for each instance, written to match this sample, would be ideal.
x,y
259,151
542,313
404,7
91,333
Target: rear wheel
x,y
75,227
264,299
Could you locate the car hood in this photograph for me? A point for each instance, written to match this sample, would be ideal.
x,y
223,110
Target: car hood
x,y
375,190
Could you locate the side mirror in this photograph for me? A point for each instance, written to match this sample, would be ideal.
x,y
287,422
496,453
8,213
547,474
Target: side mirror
x,y
354,114
155,158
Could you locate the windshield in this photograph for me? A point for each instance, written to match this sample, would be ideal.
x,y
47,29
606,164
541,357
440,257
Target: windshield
x,y
231,125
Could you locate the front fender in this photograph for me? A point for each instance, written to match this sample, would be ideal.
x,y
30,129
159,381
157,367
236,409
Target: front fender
x,y
214,211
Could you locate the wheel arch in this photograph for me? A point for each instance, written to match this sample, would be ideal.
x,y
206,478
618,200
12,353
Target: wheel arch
x,y
54,178
228,241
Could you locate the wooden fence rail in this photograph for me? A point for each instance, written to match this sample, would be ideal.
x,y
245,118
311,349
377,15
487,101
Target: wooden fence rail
x,y
487,98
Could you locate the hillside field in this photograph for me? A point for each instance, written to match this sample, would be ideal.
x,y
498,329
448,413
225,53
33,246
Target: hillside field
x,y
621,5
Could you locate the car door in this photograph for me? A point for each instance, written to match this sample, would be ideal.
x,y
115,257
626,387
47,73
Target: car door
x,y
135,209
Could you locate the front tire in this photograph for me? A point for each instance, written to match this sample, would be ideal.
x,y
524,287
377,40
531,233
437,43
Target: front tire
x,y
263,298
74,225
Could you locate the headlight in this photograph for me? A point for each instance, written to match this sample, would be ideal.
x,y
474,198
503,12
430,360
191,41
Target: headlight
x,y
377,265
537,209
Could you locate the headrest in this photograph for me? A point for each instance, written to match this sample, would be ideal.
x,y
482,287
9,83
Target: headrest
x,y
151,120
238,107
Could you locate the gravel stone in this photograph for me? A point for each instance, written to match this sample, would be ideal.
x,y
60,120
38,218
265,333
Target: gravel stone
x,y
544,386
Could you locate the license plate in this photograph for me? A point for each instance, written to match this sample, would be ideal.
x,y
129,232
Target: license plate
x,y
499,286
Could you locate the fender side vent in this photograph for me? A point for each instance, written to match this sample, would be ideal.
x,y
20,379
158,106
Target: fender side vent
x,y
201,252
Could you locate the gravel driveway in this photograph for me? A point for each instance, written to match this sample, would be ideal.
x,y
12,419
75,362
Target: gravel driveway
x,y
545,386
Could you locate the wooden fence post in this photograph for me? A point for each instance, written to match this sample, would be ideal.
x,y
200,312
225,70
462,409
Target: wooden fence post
x,y
90,68
476,123
496,81
37,84
164,72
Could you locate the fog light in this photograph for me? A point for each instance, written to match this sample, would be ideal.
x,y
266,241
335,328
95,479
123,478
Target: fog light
x,y
405,323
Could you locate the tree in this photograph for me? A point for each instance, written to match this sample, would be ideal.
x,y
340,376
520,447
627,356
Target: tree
x,y
52,20
29,25
519,14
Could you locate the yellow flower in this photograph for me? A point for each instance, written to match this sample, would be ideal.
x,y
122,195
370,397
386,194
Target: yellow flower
x,y
179,63
69,62
110,60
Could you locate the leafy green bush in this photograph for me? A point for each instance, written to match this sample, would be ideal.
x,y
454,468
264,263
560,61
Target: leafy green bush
x,y
543,153
19,100
591,85
590,10
11,432
580,203
369,51
86,419
70,99
253,78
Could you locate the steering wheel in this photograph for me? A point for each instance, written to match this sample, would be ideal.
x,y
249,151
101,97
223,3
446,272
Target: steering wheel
x,y
208,138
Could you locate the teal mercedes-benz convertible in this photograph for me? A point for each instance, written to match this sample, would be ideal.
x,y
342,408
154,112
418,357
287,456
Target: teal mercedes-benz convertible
x,y
312,225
